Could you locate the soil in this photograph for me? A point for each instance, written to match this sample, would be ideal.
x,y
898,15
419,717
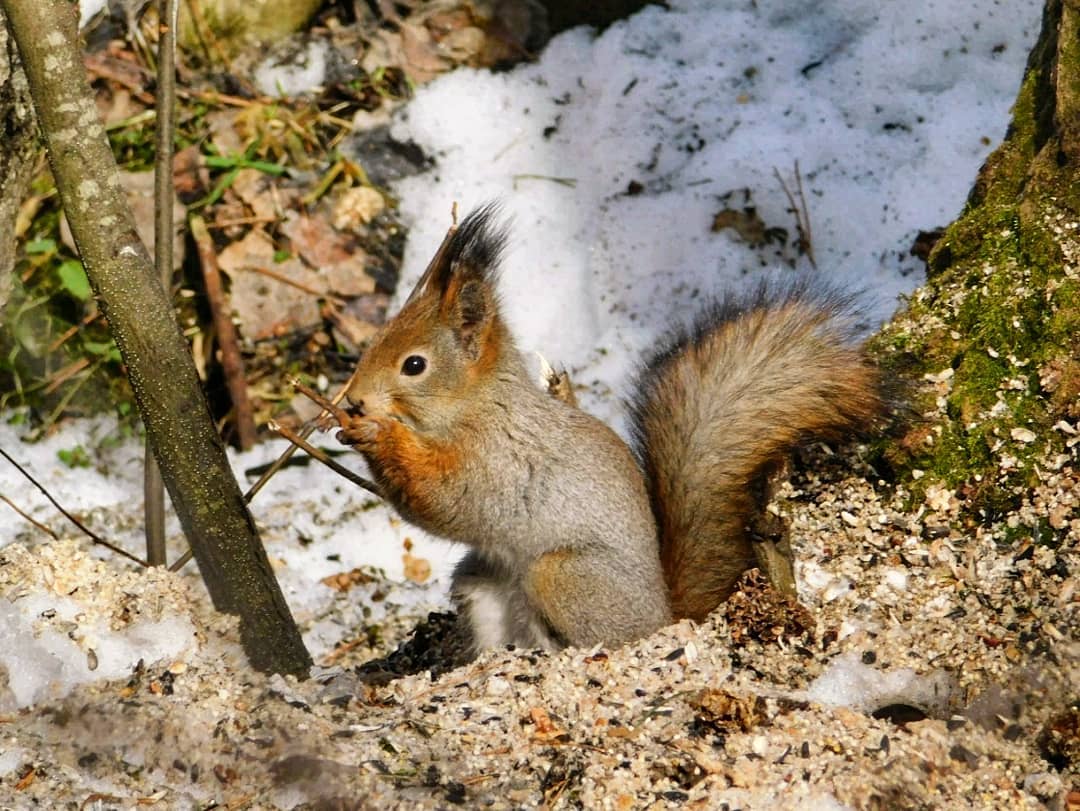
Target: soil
x,y
930,665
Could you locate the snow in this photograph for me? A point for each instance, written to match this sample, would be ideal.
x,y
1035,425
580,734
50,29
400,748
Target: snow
x,y
89,8
847,682
46,662
67,618
888,109
294,75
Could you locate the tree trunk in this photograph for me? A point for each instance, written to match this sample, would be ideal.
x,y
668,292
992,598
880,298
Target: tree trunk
x,y
994,335
17,156
166,387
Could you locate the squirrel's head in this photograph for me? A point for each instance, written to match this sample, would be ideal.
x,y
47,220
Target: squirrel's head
x,y
422,368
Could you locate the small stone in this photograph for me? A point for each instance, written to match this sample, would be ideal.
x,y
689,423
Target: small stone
x,y
940,377
1024,435
1043,785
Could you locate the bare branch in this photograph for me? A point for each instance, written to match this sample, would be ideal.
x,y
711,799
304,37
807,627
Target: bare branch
x,y
321,456
93,536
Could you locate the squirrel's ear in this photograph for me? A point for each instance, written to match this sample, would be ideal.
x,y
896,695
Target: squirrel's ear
x,y
469,305
463,276
472,249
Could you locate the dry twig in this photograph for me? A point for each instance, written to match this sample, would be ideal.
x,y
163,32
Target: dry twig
x,y
28,517
231,363
798,207
321,456
86,530
276,465
164,136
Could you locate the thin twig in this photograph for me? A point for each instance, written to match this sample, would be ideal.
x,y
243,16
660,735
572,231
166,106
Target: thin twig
x,y
228,223
281,277
65,374
87,320
87,531
29,518
164,138
321,456
223,99
231,363
101,67
278,463
805,217
304,434
77,382
329,406
571,182
801,212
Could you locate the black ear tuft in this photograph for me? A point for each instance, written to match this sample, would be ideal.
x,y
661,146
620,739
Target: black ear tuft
x,y
476,247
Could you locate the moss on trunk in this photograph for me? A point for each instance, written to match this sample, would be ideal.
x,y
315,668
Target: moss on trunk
x,y
992,340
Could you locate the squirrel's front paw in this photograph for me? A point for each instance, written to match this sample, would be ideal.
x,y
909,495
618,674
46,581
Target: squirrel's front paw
x,y
365,432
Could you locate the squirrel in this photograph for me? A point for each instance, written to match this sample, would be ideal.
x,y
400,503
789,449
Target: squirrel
x,y
575,539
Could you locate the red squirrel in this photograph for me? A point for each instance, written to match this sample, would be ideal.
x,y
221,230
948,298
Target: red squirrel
x,y
574,538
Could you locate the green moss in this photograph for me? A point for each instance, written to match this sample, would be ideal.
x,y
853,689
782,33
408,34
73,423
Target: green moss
x,y
998,311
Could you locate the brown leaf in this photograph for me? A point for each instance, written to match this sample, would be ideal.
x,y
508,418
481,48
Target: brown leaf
x,y
337,256
421,57
269,297
257,189
343,581
544,729
352,331
747,223
26,780
418,570
191,180
727,712
223,134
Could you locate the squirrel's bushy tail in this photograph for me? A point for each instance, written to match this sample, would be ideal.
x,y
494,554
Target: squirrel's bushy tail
x,y
723,406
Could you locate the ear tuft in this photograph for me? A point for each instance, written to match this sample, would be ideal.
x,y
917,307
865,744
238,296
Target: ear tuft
x,y
476,247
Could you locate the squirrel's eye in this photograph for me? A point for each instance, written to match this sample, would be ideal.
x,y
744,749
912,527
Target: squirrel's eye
x,y
413,365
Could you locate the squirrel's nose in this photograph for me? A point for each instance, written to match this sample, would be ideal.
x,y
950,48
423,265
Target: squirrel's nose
x,y
356,409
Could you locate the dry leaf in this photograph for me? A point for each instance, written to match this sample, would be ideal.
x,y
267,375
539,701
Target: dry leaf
x,y
544,729
418,570
269,304
357,206
422,62
191,179
343,581
256,189
337,257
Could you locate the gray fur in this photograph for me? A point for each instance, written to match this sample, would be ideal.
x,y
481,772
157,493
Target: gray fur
x,y
552,478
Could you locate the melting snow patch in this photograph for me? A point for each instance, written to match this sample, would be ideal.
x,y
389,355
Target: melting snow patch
x,y
849,683
616,152
66,620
